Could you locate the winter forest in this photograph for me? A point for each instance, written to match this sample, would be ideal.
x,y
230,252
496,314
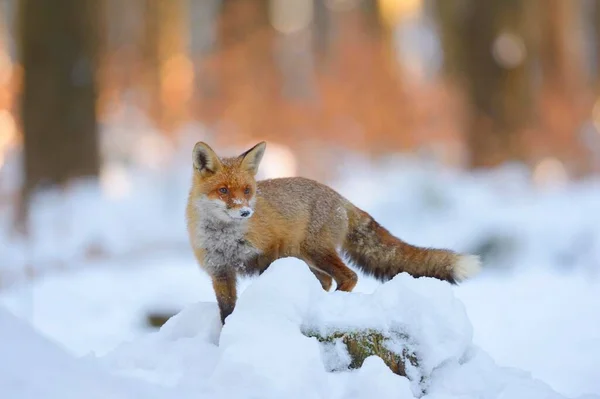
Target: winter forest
x,y
472,125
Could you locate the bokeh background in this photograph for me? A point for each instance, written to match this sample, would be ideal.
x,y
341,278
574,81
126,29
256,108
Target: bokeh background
x,y
468,124
469,83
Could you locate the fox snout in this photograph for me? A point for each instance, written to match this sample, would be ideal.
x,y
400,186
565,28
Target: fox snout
x,y
243,212
246,212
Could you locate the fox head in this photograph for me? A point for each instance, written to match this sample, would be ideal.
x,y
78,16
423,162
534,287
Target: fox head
x,y
225,188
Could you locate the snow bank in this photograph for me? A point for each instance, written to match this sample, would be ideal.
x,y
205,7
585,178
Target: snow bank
x,y
423,310
262,350
32,366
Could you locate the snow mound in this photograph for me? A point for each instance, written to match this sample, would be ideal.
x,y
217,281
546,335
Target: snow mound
x,y
263,351
420,315
32,366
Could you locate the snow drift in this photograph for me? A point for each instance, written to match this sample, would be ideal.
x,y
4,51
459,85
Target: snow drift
x,y
32,366
262,351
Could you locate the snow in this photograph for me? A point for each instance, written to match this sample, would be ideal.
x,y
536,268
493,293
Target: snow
x,y
545,322
34,367
262,351
526,327
424,310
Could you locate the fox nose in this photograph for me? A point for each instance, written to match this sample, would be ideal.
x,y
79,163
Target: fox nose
x,y
245,214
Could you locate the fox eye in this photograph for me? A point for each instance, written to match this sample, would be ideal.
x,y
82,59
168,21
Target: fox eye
x,y
247,190
223,190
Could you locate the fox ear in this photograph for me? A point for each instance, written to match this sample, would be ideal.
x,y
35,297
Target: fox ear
x,y
205,159
251,158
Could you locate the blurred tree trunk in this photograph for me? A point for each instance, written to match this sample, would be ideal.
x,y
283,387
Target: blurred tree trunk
x,y
595,21
119,70
371,9
322,30
203,19
487,46
563,93
58,49
168,70
293,50
560,45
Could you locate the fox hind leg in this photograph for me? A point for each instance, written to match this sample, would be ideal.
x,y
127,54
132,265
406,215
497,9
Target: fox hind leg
x,y
330,263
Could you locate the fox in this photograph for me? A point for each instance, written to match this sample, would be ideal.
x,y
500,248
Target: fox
x,y
238,226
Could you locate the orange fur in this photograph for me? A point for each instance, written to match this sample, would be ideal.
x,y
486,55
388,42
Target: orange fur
x,y
293,217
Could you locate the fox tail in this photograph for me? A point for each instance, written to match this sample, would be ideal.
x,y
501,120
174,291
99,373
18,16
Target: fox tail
x,y
377,252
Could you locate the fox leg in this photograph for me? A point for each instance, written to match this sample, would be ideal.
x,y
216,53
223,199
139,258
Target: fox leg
x,y
330,263
224,285
325,279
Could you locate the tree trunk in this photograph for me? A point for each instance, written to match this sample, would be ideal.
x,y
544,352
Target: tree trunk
x,y
322,29
58,49
488,46
564,104
169,72
595,21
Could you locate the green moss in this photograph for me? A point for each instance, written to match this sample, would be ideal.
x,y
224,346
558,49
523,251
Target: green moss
x,y
365,343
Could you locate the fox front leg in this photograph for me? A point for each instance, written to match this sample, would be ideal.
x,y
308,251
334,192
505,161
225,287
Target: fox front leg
x,y
224,285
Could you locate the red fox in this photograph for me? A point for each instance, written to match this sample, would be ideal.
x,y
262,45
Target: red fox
x,y
238,225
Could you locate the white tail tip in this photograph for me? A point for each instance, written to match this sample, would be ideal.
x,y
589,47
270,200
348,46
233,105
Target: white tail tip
x,y
466,266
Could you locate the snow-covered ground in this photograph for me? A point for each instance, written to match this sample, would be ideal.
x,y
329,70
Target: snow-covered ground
x,y
535,309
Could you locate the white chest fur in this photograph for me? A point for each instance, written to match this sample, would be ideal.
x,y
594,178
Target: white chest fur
x,y
224,244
